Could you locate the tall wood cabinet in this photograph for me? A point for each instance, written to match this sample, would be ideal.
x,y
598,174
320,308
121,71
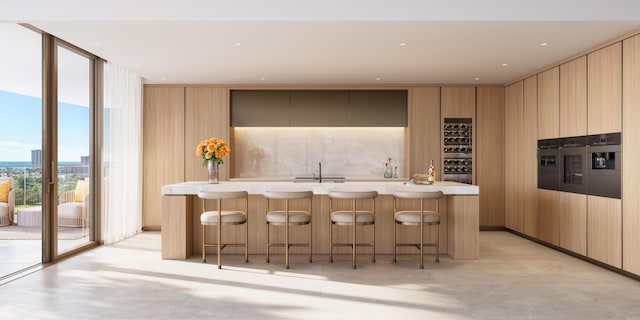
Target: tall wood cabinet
x,y
490,154
460,102
513,170
529,157
424,135
631,156
163,150
605,89
549,104
573,98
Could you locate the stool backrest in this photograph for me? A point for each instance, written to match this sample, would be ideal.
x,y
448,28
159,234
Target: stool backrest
x,y
352,194
291,195
418,194
217,195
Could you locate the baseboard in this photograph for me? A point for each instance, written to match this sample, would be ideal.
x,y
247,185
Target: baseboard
x,y
577,255
493,228
151,228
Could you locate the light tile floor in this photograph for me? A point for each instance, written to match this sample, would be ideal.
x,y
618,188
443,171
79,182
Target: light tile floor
x,y
514,279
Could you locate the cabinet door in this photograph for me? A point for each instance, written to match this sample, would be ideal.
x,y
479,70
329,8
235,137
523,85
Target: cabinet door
x,y
163,150
378,108
513,156
458,102
631,156
490,155
548,230
604,225
315,108
573,222
529,160
260,108
548,104
207,115
424,129
573,98
605,90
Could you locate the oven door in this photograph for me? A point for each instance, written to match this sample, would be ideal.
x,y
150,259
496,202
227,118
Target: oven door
x,y
604,171
548,165
573,166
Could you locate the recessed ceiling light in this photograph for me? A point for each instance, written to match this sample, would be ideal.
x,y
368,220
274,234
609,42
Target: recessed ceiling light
x,y
135,64
377,78
262,78
237,44
96,44
163,78
544,44
477,79
403,44
504,64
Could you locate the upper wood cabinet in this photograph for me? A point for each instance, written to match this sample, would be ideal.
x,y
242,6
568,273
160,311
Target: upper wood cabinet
x,y
529,159
513,170
549,104
424,129
631,156
605,90
573,98
458,102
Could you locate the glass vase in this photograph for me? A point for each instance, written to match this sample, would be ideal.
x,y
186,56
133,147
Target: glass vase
x,y
214,171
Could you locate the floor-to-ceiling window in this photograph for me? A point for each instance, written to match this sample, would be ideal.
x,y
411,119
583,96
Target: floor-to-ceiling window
x,y
74,84
49,93
20,148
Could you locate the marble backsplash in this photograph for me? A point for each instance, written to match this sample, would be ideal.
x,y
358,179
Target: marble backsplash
x,y
345,151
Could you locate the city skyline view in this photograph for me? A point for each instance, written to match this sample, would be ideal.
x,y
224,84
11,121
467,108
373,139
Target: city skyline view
x,y
22,130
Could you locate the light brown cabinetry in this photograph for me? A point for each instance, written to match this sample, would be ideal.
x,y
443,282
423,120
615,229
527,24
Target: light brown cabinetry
x,y
490,154
549,104
207,116
573,98
548,229
604,223
163,150
605,89
631,156
458,102
424,128
513,169
573,222
529,162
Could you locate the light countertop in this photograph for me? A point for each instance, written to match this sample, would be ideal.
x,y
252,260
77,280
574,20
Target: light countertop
x,y
260,187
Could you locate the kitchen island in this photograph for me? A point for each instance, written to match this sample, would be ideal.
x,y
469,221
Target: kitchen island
x,y
182,231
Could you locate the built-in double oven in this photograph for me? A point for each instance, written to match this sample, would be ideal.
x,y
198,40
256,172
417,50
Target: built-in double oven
x,y
585,164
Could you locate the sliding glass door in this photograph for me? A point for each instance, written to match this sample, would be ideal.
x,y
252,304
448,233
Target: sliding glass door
x,y
74,112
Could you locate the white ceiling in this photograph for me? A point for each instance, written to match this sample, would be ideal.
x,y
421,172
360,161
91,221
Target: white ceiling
x,y
331,41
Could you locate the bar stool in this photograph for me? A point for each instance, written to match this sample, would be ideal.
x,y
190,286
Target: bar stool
x,y
353,218
221,217
419,218
287,218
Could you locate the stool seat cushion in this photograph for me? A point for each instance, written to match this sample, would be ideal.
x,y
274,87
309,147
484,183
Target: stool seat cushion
x,y
347,216
294,217
228,216
414,217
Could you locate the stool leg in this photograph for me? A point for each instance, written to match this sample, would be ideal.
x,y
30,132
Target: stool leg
x,y
421,244
204,257
267,242
395,232
374,243
330,241
353,234
310,239
246,242
219,242
437,242
286,246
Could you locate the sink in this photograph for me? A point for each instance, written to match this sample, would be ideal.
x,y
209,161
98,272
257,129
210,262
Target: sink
x,y
316,179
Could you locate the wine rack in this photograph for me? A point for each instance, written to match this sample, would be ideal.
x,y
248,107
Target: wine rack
x,y
457,150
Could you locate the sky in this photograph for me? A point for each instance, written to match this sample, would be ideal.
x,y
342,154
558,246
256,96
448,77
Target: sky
x,y
21,128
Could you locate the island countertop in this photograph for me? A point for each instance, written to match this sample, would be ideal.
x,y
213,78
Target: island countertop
x,y
260,187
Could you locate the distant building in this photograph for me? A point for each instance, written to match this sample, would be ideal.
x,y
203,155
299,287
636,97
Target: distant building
x,y
36,159
84,160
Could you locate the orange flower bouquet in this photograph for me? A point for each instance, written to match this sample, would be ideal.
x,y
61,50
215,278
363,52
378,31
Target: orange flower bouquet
x,y
213,150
